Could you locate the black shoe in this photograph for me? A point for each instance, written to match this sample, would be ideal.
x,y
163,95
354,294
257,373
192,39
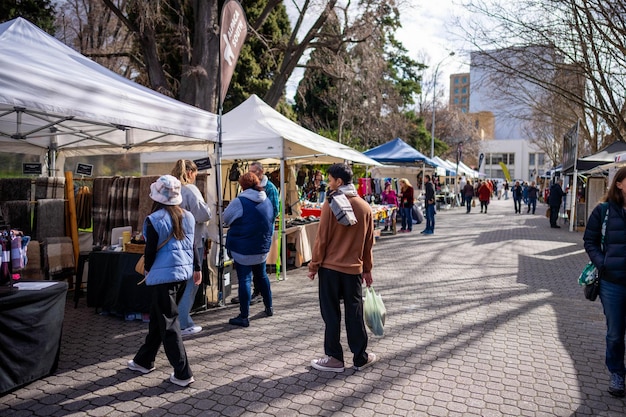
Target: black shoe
x,y
616,386
556,227
256,298
239,321
234,300
269,311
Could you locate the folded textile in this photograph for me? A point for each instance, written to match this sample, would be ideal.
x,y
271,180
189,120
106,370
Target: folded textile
x,y
49,187
15,189
59,254
33,268
49,218
17,214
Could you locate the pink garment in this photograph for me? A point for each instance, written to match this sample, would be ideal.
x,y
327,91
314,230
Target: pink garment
x,y
390,197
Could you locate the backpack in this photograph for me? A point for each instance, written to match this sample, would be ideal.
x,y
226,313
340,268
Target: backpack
x,y
234,173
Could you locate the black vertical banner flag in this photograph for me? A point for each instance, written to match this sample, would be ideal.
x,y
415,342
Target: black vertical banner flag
x,y
233,32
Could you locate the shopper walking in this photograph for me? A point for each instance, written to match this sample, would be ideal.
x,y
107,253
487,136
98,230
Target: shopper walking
x,y
468,195
484,196
342,257
429,204
533,193
516,192
607,251
169,260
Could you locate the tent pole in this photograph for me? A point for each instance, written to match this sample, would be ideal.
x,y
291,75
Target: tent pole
x,y
281,224
220,205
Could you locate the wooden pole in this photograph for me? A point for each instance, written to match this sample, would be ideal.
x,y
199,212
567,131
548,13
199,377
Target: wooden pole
x,y
71,210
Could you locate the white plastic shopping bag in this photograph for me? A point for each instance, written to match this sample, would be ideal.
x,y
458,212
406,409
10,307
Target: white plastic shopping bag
x,y
374,312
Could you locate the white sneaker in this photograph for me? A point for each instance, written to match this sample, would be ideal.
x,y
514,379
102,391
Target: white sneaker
x,y
190,330
134,367
181,382
371,358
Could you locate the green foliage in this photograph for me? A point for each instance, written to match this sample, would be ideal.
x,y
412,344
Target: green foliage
x,y
259,58
38,12
420,138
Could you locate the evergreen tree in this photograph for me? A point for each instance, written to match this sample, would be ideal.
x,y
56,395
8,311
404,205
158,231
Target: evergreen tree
x,y
38,12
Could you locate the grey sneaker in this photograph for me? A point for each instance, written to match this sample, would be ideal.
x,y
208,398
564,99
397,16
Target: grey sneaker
x,y
327,363
134,367
616,386
371,358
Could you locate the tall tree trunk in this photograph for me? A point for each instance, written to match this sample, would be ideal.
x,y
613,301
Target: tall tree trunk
x,y
199,79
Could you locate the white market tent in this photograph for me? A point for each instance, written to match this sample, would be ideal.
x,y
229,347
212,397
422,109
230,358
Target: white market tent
x,y
255,131
55,103
53,99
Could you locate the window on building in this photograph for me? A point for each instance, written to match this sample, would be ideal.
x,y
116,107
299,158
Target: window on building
x,y
531,159
456,80
464,109
464,80
541,159
511,160
496,158
464,90
464,100
456,91
456,100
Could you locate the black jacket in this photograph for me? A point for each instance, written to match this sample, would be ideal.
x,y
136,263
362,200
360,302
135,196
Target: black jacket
x,y
611,263
556,195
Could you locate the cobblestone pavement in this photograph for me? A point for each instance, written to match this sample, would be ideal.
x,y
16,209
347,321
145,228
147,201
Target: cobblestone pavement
x,y
484,318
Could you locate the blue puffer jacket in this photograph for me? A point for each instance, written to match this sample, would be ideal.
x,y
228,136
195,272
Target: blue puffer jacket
x,y
612,263
174,261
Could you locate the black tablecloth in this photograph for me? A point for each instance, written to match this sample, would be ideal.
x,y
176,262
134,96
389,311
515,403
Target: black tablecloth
x,y
112,284
31,322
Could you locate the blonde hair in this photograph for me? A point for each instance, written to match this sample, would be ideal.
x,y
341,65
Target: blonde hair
x,y
180,170
405,182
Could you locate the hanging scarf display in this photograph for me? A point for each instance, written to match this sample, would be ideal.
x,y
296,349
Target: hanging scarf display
x,y
5,274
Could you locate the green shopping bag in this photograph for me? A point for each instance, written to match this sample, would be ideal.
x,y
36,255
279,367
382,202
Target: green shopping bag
x,y
374,312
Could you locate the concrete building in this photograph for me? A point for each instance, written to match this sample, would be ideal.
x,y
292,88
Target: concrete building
x,y
460,92
501,105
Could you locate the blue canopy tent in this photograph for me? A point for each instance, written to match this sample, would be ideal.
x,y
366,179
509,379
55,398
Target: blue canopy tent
x,y
398,154
398,151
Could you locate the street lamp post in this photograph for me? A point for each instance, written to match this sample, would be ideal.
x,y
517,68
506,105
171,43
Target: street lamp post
x,y
432,127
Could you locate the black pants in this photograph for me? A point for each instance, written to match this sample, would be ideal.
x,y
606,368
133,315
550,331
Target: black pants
x,y
518,204
554,215
164,328
334,286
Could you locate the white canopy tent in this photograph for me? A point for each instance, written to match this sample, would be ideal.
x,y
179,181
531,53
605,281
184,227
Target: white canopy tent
x,y
255,131
53,99
56,103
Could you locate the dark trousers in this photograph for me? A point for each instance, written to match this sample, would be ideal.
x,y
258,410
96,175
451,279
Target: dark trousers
x,y
483,205
164,328
554,215
334,286
518,205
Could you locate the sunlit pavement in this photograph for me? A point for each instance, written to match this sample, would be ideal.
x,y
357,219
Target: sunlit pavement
x,y
484,318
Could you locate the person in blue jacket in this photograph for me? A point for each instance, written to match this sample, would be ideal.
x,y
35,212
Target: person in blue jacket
x,y
610,260
169,260
250,222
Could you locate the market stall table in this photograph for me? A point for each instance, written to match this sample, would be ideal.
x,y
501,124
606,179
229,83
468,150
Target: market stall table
x,y
31,321
112,283
302,237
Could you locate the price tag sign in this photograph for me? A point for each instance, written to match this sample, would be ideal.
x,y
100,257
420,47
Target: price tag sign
x,y
84,169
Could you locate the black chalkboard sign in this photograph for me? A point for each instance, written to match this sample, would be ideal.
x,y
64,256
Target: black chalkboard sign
x,y
203,163
84,169
31,168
